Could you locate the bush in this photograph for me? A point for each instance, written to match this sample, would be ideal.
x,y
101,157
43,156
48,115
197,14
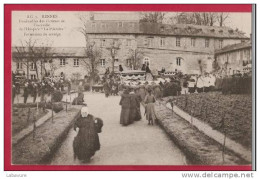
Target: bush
x,y
57,96
87,87
171,89
57,107
237,85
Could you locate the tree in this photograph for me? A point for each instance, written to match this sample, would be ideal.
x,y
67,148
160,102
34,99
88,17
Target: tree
x,y
152,17
92,61
32,53
113,49
221,18
135,57
196,18
92,52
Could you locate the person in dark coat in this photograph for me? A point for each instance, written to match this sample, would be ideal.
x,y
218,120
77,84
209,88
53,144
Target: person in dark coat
x,y
26,92
121,68
135,113
86,143
138,99
13,92
34,91
125,103
106,88
147,69
79,100
143,67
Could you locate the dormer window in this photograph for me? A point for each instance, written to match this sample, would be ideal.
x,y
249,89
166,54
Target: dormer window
x,y
120,24
212,30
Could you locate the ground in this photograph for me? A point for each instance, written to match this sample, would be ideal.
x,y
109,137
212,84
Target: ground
x,y
226,113
137,144
20,119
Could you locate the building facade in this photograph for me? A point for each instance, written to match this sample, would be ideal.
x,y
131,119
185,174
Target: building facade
x,y
173,47
236,58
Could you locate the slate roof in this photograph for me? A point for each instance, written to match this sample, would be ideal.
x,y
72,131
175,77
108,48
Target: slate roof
x,y
145,28
234,47
59,52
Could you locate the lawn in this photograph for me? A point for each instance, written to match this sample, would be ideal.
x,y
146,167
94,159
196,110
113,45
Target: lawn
x,y
230,114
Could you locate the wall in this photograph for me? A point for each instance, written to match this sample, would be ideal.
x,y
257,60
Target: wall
x,y
234,58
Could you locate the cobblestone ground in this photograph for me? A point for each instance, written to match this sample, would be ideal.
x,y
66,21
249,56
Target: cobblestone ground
x,y
137,144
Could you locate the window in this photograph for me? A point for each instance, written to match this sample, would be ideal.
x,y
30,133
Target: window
x,y
128,62
102,62
116,60
62,62
120,24
103,43
93,25
220,43
178,61
162,42
150,42
33,77
206,42
128,43
76,62
178,42
193,42
33,67
147,61
19,65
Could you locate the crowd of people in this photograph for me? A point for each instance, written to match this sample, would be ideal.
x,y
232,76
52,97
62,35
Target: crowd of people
x,y
34,87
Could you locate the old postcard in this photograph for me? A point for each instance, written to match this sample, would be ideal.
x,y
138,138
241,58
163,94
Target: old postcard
x,y
142,90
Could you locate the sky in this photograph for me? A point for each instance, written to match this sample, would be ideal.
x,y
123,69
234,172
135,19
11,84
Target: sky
x,y
61,29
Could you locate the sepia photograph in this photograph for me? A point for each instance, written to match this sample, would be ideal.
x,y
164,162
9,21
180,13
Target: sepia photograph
x,y
132,88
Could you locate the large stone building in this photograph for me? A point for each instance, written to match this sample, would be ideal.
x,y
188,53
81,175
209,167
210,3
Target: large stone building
x,y
173,47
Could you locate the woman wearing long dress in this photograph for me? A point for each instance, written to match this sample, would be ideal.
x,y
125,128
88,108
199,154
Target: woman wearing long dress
x,y
107,87
86,143
135,113
125,103
142,92
149,108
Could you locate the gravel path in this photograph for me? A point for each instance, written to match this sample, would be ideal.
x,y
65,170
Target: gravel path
x,y
137,144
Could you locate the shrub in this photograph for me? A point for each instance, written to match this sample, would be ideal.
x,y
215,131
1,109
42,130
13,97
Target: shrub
x,y
237,85
171,89
57,96
57,107
87,87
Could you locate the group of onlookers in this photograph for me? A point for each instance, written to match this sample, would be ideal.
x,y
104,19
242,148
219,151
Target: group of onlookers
x,y
38,88
200,83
